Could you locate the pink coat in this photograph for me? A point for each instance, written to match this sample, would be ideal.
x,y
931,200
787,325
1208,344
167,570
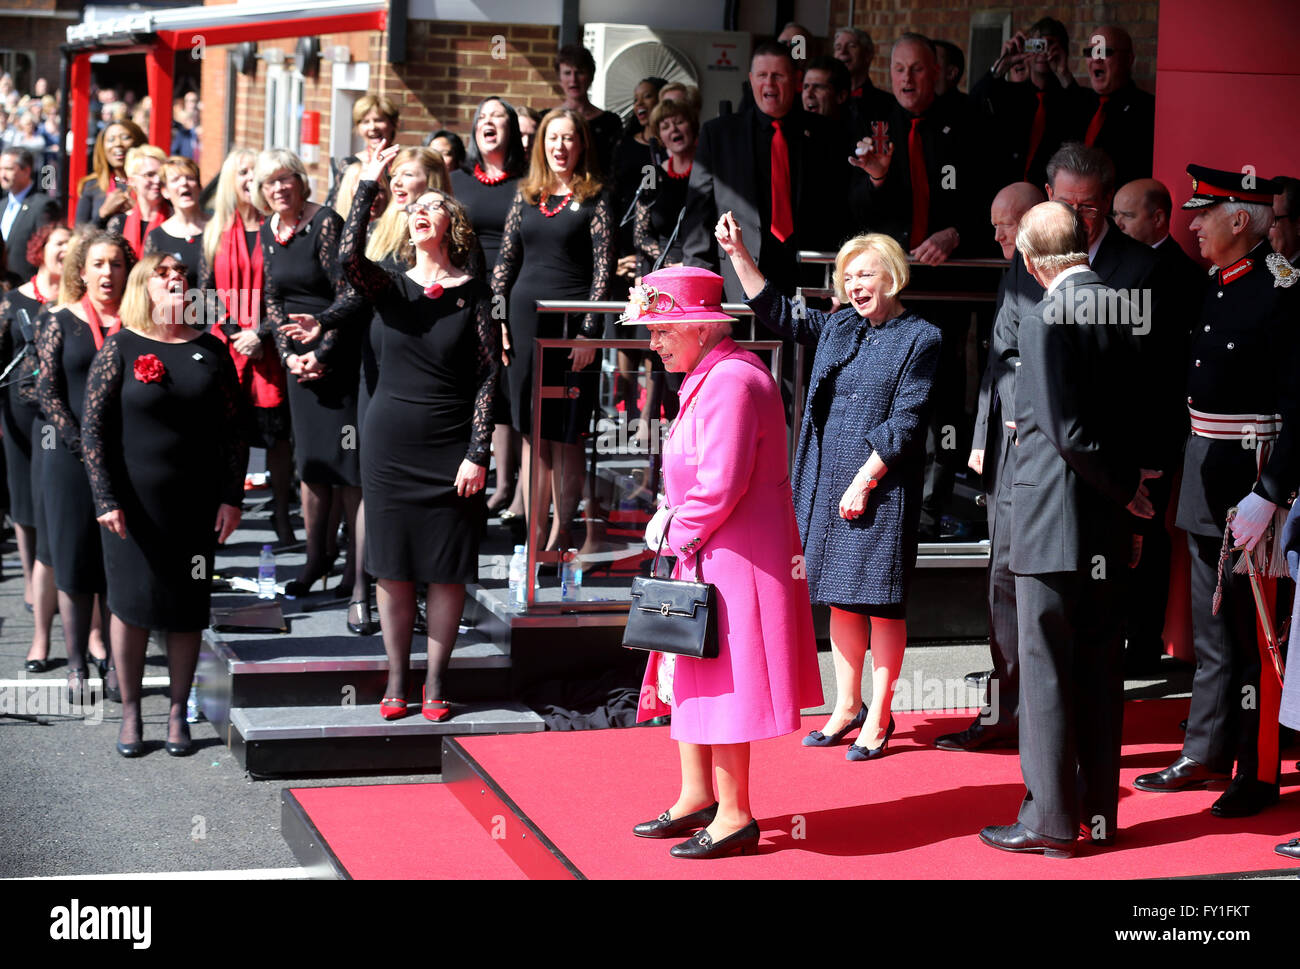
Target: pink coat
x,y
726,472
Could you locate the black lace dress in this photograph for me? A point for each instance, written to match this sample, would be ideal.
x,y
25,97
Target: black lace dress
x,y
16,414
167,452
65,349
566,256
303,277
431,409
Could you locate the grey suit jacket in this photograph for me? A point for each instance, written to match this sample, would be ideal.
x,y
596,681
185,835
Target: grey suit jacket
x,y
37,209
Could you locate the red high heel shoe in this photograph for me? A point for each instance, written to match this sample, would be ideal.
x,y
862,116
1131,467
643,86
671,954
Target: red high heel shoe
x,y
435,710
393,708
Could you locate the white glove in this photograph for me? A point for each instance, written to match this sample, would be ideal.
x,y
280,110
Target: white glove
x,y
654,532
1252,518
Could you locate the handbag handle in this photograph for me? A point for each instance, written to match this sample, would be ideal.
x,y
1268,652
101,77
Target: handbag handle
x,y
654,568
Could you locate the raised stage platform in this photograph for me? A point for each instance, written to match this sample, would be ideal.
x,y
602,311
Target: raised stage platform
x,y
562,805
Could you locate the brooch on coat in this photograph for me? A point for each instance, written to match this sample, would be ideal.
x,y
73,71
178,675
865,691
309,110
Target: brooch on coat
x,y
1284,274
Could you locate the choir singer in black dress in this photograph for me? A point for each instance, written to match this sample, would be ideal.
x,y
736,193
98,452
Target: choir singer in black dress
x,y
166,463
428,429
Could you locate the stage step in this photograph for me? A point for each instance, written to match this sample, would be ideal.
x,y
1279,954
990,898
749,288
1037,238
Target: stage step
x,y
299,740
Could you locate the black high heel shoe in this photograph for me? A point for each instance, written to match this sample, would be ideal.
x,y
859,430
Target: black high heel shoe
x,y
743,842
364,626
112,688
181,748
666,827
37,665
77,686
856,752
819,739
136,747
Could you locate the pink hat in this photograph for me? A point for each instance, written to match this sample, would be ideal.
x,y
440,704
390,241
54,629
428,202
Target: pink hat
x,y
680,294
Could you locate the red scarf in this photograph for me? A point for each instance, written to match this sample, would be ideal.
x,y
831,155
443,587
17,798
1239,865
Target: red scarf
x,y
96,324
132,231
237,275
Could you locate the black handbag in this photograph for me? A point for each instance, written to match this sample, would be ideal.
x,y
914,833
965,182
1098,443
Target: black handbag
x,y
672,615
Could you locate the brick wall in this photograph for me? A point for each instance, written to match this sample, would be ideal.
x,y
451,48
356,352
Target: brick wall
x,y
40,36
450,67
950,20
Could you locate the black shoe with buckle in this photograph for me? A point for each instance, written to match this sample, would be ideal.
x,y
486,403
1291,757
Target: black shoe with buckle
x,y
701,846
666,827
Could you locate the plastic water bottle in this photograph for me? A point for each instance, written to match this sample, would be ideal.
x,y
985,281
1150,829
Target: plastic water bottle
x,y
266,574
518,574
192,712
571,577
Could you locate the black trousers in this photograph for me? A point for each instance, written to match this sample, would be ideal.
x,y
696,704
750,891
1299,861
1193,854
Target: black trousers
x,y
1148,587
1003,706
1224,723
1071,702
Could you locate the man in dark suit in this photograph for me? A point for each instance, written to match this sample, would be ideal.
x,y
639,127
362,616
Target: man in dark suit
x,y
779,170
22,210
1112,112
1142,209
1077,482
1284,236
855,49
991,458
1242,453
1082,178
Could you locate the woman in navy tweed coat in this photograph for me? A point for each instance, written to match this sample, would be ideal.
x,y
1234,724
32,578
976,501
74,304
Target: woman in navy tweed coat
x,y
859,465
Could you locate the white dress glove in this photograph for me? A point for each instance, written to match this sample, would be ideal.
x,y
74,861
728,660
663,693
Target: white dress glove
x,y
1252,518
654,532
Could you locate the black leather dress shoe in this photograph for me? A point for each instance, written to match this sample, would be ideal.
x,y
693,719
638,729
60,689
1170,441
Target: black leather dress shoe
x,y
1244,798
979,678
1290,849
1016,837
1184,774
666,827
701,846
978,736
37,665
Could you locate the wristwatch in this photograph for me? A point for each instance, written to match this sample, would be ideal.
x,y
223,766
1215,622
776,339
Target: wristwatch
x,y
872,482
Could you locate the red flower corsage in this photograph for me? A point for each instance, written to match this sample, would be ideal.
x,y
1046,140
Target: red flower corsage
x,y
149,369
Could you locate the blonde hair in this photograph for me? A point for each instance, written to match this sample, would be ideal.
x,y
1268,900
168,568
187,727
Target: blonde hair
x,y
225,203
677,91
348,182
269,162
138,154
136,308
891,255
585,183
179,163
674,109
376,102
390,236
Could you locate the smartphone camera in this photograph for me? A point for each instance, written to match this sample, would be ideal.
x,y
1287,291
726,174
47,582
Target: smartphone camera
x,y
1036,45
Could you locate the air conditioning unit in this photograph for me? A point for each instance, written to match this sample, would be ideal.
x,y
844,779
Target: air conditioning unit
x,y
716,62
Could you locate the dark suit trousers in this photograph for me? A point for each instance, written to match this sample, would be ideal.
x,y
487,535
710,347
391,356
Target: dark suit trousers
x,y
1071,702
1004,636
1224,723
1148,588
947,440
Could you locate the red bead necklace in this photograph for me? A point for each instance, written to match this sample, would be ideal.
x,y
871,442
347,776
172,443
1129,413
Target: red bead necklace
x,y
549,213
489,179
672,174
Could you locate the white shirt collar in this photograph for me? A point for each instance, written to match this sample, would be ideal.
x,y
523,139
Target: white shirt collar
x,y
16,198
1157,245
1066,274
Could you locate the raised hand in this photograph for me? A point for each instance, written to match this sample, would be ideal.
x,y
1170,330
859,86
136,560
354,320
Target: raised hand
x,y
873,156
377,159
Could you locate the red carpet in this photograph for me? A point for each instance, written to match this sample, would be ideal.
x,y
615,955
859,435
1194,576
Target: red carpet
x,y
912,814
404,831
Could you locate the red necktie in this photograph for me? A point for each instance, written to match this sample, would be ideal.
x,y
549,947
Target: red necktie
x,y
1098,119
1035,134
920,185
782,220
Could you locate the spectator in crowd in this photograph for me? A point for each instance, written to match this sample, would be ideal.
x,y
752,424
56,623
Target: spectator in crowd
x,y
182,233
677,91
800,40
660,211
374,121
18,414
529,118
144,175
23,210
1244,357
558,243
1113,113
495,162
103,193
304,287
855,49
166,463
1074,441
992,459
728,518
858,468
1028,116
449,145
185,124
428,429
826,88
949,97
67,339
233,270
575,69
1284,236
768,167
